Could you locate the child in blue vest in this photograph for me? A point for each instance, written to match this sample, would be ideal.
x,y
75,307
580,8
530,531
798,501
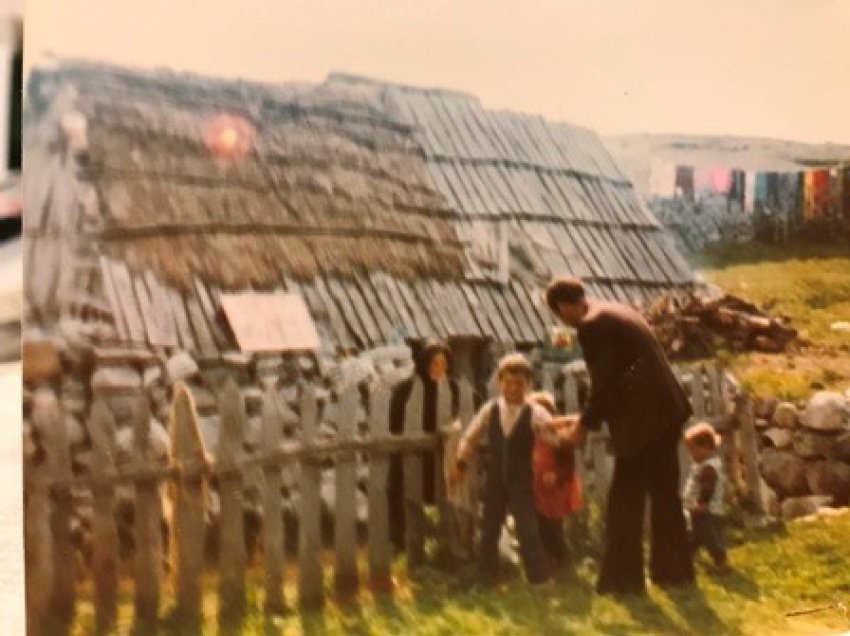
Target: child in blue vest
x,y
703,496
509,424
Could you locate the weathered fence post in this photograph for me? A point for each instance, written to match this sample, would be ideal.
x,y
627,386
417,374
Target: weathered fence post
x,y
380,551
232,558
272,506
188,495
148,520
104,532
412,463
39,539
749,448
570,388
310,579
468,496
448,537
345,521
728,446
578,524
55,439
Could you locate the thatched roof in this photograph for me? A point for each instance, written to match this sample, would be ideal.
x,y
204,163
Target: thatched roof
x,y
391,210
328,183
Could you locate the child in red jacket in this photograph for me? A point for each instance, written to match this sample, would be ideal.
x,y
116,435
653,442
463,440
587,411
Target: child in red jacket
x,y
557,488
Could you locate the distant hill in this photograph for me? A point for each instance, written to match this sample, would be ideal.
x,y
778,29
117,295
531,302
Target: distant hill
x,y
635,153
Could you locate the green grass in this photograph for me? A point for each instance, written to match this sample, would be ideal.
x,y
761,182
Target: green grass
x,y
807,281
776,570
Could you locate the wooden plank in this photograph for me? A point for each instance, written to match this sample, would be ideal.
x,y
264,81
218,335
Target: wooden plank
x,y
340,327
502,332
446,121
375,304
444,305
536,328
202,330
385,285
101,428
161,308
147,520
750,452
435,314
424,324
349,313
477,311
187,451
273,534
345,520
387,302
310,579
497,293
117,315
413,487
517,306
120,276
380,551
48,425
232,554
209,309
459,301
156,336
444,420
184,328
373,330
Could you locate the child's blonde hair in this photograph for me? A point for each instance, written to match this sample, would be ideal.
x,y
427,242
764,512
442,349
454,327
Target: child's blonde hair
x,y
704,435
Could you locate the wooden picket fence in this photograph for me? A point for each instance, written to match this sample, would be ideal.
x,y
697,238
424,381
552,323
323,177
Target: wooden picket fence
x,y
189,469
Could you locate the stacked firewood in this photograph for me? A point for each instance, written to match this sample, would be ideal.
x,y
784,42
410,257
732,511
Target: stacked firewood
x,y
697,325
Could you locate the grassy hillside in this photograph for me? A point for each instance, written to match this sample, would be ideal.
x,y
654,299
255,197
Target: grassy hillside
x,y
776,571
810,282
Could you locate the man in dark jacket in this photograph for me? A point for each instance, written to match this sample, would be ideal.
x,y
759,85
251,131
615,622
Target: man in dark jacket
x,y
635,391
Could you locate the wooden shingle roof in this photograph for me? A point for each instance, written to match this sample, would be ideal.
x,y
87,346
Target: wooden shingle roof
x,y
393,211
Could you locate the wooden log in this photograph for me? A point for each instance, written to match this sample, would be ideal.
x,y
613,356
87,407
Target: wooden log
x,y
188,495
232,555
147,521
345,522
380,551
273,537
310,579
413,466
749,450
101,425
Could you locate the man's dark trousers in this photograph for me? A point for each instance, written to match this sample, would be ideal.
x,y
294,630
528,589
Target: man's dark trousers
x,y
654,470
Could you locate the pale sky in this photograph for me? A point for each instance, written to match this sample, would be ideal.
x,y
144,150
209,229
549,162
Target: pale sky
x,y
771,68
